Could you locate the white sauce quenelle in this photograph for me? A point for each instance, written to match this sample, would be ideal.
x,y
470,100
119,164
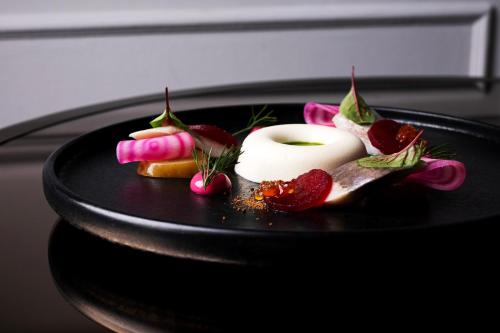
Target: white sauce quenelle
x,y
267,156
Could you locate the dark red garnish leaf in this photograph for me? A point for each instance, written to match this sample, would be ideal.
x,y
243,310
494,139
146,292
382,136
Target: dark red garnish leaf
x,y
214,133
310,190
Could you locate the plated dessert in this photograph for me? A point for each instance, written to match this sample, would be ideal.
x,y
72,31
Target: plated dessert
x,y
328,160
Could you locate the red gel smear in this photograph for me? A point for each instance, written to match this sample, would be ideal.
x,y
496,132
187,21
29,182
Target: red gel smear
x,y
309,190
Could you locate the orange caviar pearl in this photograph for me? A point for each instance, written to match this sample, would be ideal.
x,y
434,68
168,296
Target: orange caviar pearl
x,y
258,196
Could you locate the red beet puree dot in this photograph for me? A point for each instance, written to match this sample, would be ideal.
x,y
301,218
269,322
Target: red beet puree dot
x,y
310,190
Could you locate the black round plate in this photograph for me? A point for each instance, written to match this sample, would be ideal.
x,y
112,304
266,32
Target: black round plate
x,y
84,183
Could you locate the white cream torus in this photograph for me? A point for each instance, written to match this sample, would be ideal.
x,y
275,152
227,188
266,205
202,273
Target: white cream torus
x,y
265,156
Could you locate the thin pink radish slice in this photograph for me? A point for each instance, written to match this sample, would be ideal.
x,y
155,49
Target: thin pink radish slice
x,y
168,147
444,175
320,114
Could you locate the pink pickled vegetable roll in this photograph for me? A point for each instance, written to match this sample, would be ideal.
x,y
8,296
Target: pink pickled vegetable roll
x,y
444,175
169,147
320,114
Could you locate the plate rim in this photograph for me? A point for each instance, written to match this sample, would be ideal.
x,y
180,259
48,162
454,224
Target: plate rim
x,y
166,237
54,186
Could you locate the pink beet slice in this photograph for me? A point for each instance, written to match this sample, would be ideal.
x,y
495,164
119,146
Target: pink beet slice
x,y
310,190
169,147
214,133
320,114
444,175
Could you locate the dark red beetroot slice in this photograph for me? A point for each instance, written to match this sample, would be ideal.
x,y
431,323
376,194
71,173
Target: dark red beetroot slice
x,y
214,133
382,135
311,190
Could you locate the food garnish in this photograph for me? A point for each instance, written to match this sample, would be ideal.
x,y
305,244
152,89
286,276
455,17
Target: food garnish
x,y
407,158
303,143
394,146
242,203
214,133
320,114
443,175
210,167
167,147
155,132
306,191
210,137
442,151
167,118
259,119
390,136
219,183
289,150
354,107
178,168
208,153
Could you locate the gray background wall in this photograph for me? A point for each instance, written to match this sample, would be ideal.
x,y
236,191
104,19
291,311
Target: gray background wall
x,y
56,55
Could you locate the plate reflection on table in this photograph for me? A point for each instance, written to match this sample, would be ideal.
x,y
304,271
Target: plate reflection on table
x,y
128,290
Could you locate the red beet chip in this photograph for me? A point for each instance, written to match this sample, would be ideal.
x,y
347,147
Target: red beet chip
x,y
382,135
311,190
214,133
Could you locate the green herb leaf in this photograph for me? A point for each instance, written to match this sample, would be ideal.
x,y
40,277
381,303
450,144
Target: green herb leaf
x,y
159,121
442,151
167,117
354,107
405,159
177,122
258,119
211,166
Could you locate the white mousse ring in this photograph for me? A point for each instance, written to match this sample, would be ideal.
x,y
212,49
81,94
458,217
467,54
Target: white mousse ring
x,y
265,156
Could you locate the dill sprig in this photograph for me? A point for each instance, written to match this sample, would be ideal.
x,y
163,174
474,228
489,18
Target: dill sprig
x,y
210,166
442,151
258,119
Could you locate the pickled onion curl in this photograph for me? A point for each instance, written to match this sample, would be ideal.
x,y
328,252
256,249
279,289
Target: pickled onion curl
x,y
443,175
320,114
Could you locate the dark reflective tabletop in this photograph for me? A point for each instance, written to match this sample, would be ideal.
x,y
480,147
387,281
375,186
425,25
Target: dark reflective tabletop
x,y
55,278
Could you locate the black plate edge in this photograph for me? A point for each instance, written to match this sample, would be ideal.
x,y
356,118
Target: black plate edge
x,y
424,118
